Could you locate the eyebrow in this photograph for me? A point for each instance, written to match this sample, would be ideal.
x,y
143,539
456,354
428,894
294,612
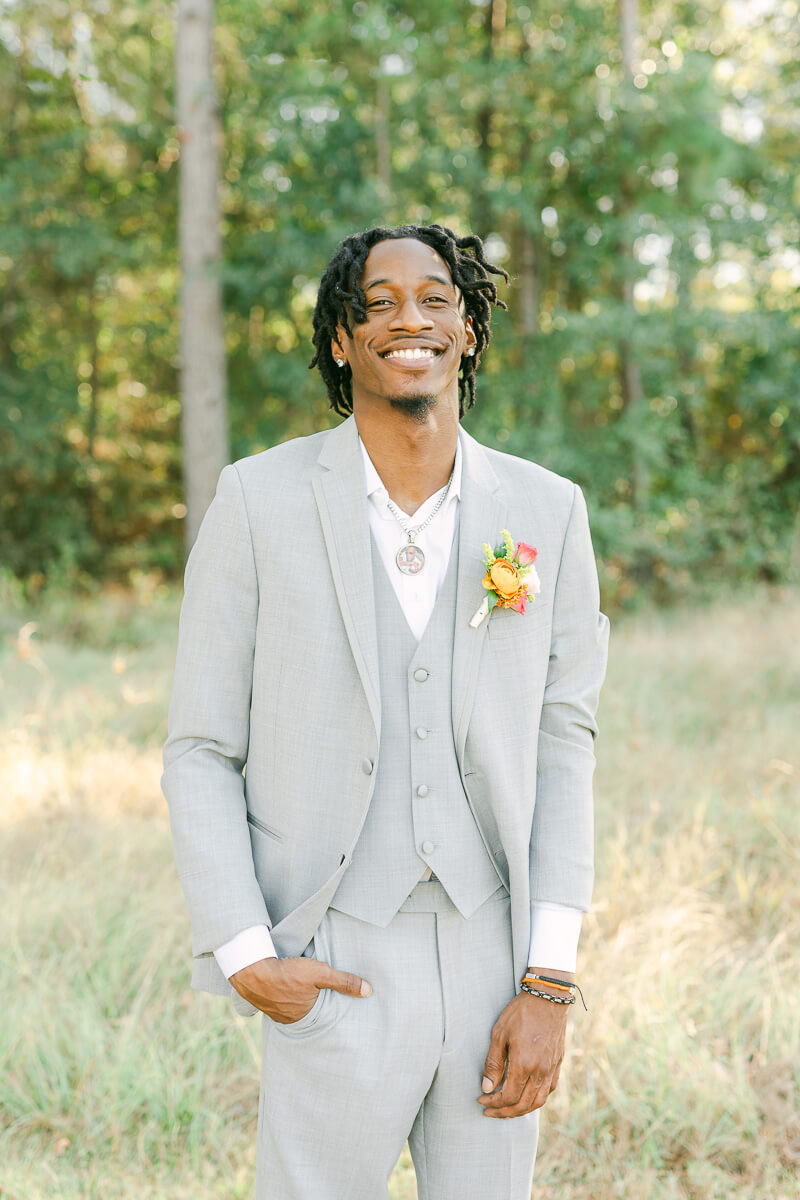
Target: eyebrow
x,y
430,278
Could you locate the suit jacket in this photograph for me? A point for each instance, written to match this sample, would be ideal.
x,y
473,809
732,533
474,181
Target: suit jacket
x,y
274,722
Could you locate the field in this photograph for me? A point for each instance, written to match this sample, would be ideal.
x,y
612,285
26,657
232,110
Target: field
x,y
683,1079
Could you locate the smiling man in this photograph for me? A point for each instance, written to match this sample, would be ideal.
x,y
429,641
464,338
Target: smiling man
x,y
397,881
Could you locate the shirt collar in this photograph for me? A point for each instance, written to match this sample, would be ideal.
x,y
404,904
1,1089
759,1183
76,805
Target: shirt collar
x,y
374,483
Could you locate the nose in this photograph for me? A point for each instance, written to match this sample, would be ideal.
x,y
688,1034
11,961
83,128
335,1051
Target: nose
x,y
410,317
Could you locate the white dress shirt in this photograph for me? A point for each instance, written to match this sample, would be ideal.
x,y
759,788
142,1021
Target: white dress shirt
x,y
555,928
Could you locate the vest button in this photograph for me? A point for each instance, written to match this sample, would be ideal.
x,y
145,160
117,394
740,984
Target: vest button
x,y
422,790
367,766
428,847
422,732
420,674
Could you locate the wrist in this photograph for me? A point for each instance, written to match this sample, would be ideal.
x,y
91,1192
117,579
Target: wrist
x,y
259,967
559,988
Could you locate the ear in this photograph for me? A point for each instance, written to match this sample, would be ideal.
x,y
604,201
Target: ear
x,y
471,340
337,343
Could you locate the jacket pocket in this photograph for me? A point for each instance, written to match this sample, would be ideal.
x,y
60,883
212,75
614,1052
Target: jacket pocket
x,y
265,829
507,623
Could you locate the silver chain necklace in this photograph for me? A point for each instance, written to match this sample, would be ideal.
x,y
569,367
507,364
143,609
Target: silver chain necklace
x,y
410,558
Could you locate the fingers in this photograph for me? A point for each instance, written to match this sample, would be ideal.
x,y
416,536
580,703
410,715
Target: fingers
x,y
532,1097
344,981
527,1087
509,1094
495,1062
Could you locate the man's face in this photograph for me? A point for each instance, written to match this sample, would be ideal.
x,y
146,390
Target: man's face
x,y
408,351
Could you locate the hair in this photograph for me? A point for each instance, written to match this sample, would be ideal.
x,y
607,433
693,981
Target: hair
x,y
339,286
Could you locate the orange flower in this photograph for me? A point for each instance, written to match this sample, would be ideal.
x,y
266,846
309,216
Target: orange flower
x,y
504,578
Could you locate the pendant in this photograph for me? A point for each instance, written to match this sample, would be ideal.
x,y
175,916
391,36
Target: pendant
x,y
410,559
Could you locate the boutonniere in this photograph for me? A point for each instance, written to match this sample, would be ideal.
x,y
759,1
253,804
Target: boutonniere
x,y
510,577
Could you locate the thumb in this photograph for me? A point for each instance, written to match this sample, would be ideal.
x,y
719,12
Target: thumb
x,y
494,1065
346,982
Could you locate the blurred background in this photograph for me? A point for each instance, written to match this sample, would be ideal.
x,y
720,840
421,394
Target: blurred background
x,y
635,170
647,210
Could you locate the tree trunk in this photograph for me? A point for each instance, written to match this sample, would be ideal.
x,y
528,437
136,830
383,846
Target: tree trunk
x,y
493,26
383,143
529,301
204,417
630,377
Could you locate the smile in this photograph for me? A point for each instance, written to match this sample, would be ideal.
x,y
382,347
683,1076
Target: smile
x,y
416,355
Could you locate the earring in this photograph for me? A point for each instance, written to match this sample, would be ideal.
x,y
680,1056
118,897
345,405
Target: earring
x,y
340,362
471,351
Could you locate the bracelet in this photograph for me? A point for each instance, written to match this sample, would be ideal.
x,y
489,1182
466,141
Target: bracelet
x,y
561,987
559,984
532,991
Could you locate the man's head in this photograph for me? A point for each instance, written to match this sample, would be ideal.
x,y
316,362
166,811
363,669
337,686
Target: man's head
x,y
406,310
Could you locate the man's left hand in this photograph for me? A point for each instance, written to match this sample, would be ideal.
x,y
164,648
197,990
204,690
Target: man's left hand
x,y
528,1039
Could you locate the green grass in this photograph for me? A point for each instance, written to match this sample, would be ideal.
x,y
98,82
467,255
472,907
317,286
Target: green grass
x,y
681,1083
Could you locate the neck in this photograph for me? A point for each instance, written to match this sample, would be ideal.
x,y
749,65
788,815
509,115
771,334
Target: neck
x,y
414,459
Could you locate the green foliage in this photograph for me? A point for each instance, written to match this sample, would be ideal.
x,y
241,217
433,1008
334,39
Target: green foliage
x,y
513,121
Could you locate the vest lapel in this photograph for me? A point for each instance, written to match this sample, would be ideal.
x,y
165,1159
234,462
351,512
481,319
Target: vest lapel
x,y
483,514
340,494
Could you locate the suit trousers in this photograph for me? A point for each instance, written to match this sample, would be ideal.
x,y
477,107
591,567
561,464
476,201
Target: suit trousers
x,y
344,1087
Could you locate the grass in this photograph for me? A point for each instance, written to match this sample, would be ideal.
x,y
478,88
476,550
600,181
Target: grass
x,y
683,1080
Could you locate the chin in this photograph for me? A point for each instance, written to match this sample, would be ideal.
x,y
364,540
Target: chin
x,y
416,408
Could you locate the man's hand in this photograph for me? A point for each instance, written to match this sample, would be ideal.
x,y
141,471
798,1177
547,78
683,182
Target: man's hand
x,y
286,988
527,1038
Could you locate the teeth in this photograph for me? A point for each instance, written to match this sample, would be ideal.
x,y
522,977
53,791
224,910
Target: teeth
x,y
417,352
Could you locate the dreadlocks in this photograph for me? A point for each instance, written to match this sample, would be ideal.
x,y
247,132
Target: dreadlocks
x,y
339,286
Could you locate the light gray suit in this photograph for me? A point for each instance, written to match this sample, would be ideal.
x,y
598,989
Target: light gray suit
x,y
279,668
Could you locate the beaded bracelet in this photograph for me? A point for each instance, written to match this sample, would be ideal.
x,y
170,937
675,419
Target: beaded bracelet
x,y
526,987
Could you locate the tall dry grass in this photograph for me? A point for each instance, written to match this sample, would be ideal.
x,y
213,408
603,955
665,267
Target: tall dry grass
x,y
682,1081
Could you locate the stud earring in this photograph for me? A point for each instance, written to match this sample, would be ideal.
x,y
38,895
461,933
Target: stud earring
x,y
471,351
340,362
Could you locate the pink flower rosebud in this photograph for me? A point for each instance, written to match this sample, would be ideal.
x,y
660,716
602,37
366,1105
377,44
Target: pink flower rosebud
x,y
526,554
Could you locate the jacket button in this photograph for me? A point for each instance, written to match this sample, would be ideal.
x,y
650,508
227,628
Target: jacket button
x,y
428,847
420,674
422,732
422,790
367,765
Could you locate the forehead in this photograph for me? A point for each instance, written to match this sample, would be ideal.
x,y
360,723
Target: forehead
x,y
403,261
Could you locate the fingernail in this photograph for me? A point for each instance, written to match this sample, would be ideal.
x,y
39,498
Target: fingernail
x,y
366,990
486,1085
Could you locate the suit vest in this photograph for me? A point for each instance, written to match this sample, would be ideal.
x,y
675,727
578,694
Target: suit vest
x,y
419,817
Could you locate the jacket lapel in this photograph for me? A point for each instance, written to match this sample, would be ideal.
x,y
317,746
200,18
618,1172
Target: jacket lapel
x,y
340,494
483,513
341,498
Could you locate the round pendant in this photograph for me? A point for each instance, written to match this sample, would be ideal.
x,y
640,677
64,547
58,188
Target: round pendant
x,y
410,559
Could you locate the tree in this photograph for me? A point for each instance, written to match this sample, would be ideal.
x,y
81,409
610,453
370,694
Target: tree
x,y
204,411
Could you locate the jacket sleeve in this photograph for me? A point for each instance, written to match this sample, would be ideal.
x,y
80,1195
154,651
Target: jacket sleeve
x,y
562,837
209,725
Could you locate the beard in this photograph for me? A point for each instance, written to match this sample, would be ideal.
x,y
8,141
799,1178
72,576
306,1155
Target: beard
x,y
416,408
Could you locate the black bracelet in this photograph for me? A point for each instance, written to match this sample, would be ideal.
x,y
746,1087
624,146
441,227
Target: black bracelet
x,y
526,987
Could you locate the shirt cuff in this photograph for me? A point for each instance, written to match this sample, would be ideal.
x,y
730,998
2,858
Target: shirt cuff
x,y
249,946
555,930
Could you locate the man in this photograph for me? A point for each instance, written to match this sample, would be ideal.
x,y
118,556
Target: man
x,y
413,833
